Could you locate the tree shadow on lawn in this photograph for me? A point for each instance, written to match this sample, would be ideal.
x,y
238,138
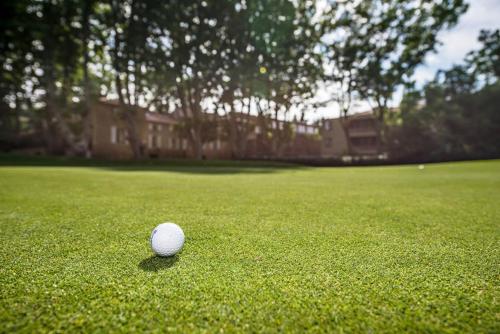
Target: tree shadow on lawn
x,y
208,170
213,167
156,263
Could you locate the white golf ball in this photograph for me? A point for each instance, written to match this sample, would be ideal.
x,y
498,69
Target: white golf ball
x,y
167,239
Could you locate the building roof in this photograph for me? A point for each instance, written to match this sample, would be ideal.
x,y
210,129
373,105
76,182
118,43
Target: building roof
x,y
116,103
362,115
358,115
173,117
159,118
110,102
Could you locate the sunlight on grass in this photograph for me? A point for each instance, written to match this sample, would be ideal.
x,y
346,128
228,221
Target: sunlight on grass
x,y
392,249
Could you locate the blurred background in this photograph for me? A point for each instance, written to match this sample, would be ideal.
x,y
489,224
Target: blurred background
x,y
323,82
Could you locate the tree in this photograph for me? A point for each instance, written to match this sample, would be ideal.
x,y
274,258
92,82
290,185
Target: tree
x,y
89,90
189,29
147,58
454,116
289,66
236,70
485,62
46,50
15,46
385,41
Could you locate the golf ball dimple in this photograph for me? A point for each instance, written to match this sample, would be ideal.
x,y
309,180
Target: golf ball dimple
x,y
167,239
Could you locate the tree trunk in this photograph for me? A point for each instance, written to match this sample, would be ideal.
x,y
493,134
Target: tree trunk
x,y
53,112
276,134
345,127
198,145
133,136
55,115
382,108
233,133
127,109
130,117
246,128
87,127
194,128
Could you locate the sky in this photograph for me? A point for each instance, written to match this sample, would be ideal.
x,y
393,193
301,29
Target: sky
x,y
455,43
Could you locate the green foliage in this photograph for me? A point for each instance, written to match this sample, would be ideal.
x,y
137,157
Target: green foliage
x,y
375,46
220,56
455,116
268,248
42,80
486,61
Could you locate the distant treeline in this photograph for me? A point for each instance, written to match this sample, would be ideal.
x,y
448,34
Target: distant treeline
x,y
456,115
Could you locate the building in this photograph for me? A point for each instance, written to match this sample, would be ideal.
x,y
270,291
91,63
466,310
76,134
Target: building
x,y
357,136
267,138
160,135
157,133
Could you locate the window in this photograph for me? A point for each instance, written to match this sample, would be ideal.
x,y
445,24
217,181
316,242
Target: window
x,y
154,141
118,135
154,127
113,134
122,136
364,141
328,142
327,125
363,124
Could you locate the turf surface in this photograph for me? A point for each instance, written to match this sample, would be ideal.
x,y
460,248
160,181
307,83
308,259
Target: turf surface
x,y
375,249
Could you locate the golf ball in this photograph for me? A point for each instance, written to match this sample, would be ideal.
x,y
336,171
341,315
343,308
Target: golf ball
x,y
167,239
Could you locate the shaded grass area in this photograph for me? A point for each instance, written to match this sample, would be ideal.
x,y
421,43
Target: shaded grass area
x,y
173,165
157,263
376,249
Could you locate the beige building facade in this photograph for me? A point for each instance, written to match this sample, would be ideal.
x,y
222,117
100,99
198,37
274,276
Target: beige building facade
x,y
159,135
357,135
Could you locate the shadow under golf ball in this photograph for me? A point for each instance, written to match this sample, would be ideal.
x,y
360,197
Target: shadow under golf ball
x,y
157,263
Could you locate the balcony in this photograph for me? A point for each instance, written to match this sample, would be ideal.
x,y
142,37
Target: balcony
x,y
362,132
365,149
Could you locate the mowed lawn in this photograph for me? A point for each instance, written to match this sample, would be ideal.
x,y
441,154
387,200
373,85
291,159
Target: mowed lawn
x,y
367,249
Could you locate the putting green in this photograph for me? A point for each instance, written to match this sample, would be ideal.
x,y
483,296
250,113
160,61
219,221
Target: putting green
x,y
372,249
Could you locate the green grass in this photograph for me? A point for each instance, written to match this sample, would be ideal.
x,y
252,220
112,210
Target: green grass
x,y
272,247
